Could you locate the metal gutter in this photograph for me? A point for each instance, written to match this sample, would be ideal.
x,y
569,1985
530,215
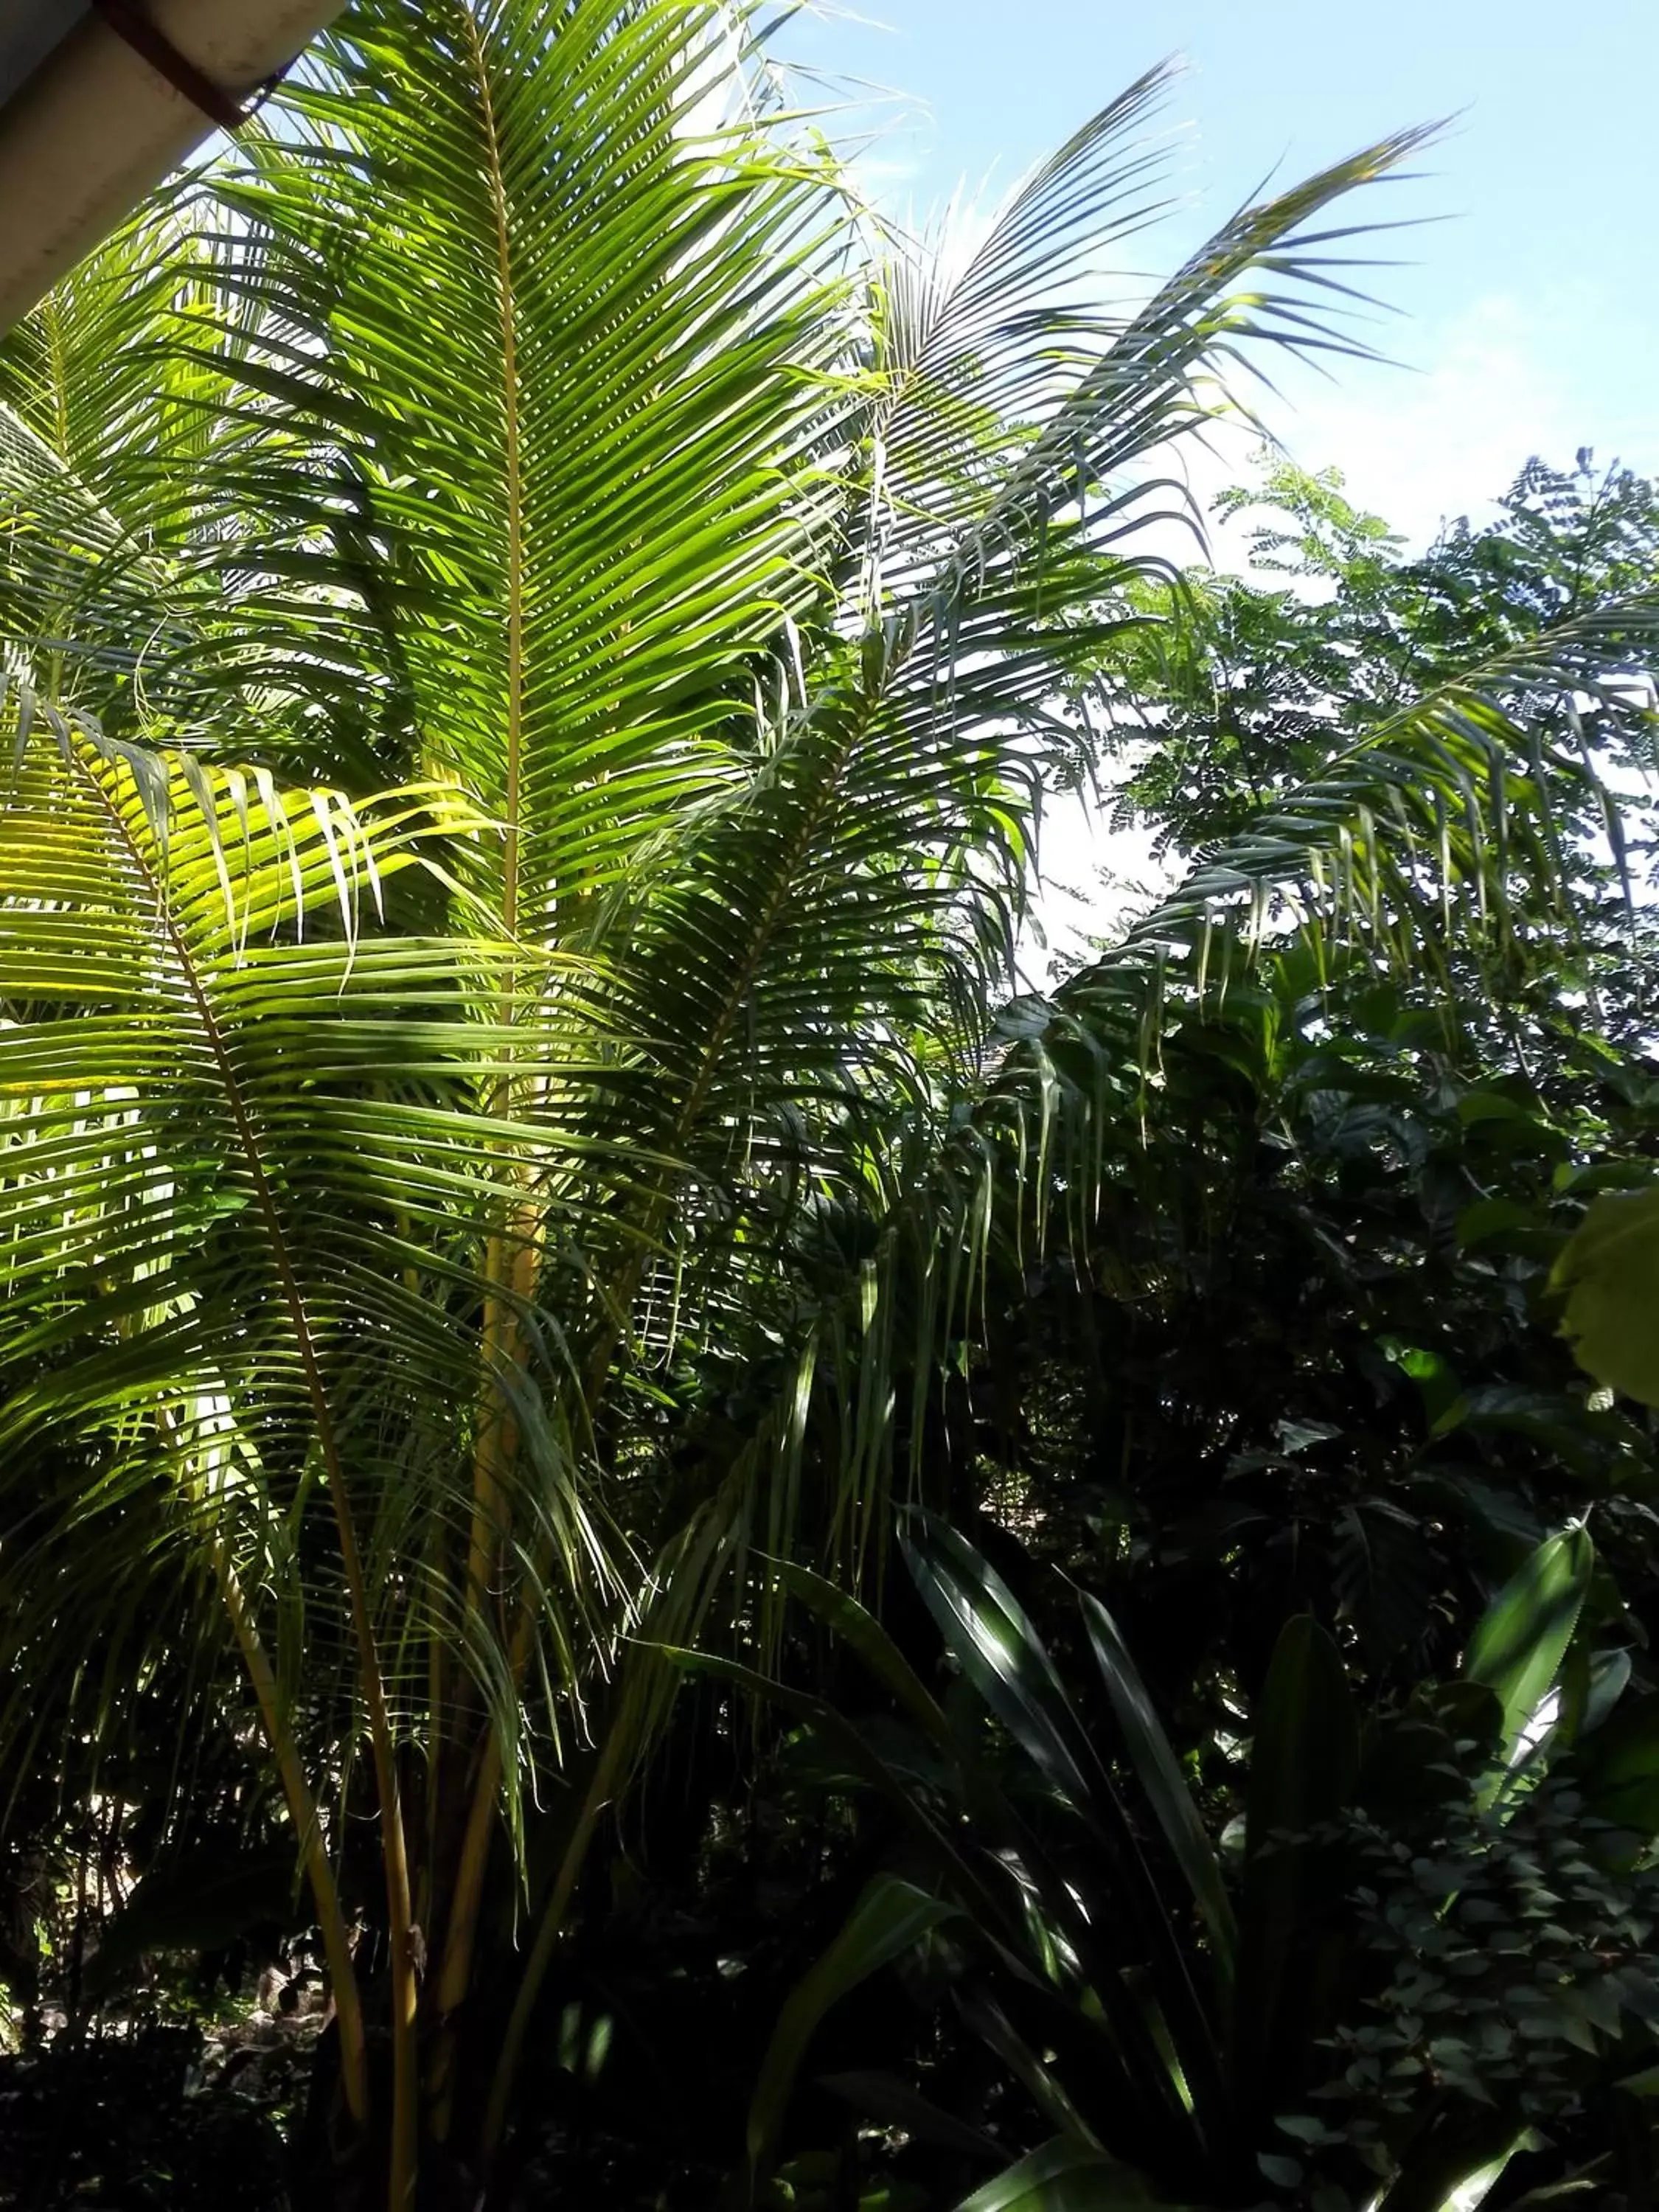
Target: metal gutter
x,y
97,125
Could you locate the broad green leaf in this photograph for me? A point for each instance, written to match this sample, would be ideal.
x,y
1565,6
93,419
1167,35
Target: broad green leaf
x,y
1491,1217
1306,1748
988,1632
1591,1688
1520,1640
1066,2175
1617,1769
891,1918
1610,1274
1165,1785
1454,2163
858,1627
1303,1761
1472,2192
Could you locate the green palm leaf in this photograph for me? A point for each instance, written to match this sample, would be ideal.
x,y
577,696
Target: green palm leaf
x,y
497,1001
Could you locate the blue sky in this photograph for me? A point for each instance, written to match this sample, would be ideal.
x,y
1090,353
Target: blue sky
x,y
1532,311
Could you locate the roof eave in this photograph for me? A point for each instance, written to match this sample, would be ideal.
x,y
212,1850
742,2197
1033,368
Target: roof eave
x,y
97,126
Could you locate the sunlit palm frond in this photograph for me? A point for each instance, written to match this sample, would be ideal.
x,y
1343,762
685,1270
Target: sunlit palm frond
x,y
856,894
546,390
249,1158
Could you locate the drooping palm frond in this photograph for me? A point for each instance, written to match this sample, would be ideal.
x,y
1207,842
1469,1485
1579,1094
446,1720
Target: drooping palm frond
x,y
973,352
249,1162
1449,802
927,730
835,926
104,426
470,386
248,1165
513,474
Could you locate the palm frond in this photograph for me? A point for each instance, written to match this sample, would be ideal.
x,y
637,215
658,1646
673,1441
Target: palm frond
x,y
475,1176
246,1165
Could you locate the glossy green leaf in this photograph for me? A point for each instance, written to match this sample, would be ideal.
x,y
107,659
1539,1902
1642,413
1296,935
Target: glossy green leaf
x,y
990,1634
1462,2149
1165,1785
891,1918
1609,1273
1066,2175
1591,1687
1492,1217
1520,1640
857,1628
1305,1750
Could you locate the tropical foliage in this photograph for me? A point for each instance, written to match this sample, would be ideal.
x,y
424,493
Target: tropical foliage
x,y
1335,626
535,640
1435,1939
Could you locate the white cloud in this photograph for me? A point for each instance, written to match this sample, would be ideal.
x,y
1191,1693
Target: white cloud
x,y
1095,880
1485,391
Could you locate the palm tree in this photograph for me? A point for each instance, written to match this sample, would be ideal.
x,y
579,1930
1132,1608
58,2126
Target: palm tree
x,y
534,645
